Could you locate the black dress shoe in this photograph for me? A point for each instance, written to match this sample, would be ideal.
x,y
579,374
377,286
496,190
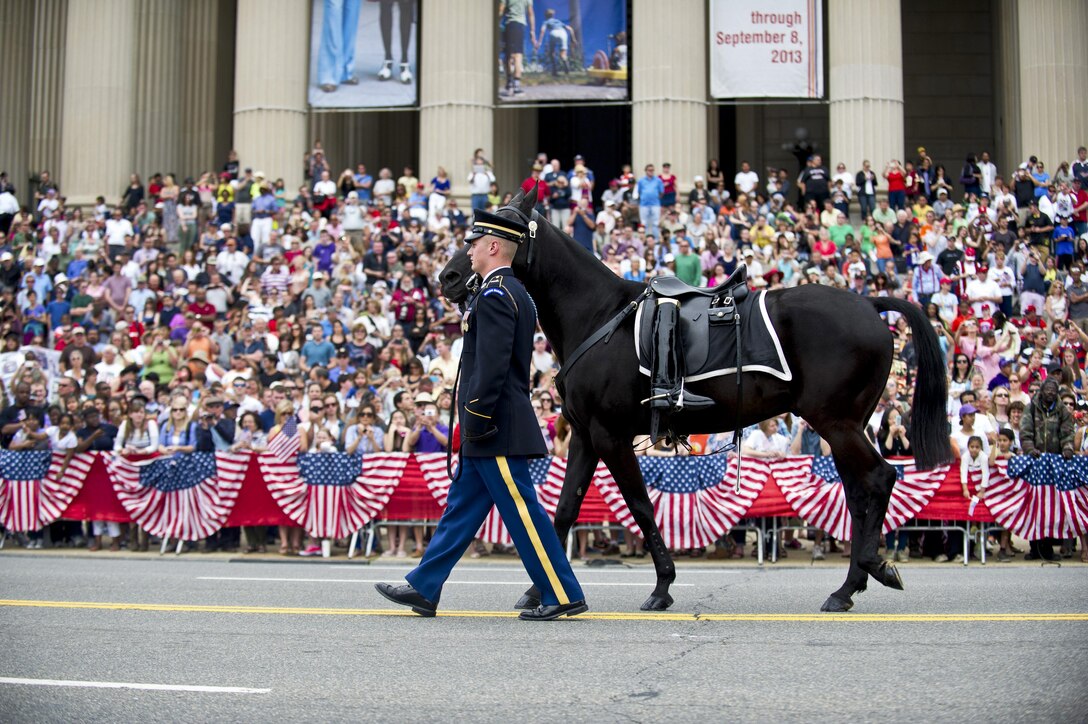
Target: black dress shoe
x,y
407,596
550,613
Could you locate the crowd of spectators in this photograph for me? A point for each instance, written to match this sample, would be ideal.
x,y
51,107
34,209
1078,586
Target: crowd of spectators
x,y
200,315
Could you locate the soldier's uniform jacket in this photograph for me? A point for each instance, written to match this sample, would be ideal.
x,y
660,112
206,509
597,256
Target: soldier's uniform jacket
x,y
495,412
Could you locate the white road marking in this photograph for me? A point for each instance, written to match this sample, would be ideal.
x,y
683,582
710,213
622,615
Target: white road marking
x,y
383,580
128,685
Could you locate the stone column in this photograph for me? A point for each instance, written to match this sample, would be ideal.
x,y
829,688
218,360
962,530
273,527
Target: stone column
x,y
457,89
15,112
206,86
99,94
1053,80
669,87
270,87
866,82
47,88
158,88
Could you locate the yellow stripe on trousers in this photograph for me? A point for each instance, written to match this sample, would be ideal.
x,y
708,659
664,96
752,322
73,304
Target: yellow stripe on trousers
x,y
534,536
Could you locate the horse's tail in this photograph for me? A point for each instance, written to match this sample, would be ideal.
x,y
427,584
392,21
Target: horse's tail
x,y
929,421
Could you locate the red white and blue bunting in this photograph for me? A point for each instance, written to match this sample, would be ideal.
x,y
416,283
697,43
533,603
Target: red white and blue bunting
x,y
814,490
332,495
37,486
180,496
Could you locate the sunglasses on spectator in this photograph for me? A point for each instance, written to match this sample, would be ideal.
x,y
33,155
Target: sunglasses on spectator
x,y
332,404
315,409
366,414
179,409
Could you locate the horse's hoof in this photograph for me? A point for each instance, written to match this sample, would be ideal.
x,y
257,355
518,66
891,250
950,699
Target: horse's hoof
x,y
836,605
890,577
657,603
527,602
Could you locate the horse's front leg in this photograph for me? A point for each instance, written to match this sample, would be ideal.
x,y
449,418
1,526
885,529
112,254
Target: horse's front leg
x,y
581,463
623,464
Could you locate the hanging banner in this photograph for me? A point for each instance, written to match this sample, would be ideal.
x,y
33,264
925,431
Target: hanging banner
x,y
363,53
562,50
766,49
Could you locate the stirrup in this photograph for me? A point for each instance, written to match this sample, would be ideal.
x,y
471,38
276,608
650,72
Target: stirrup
x,y
678,400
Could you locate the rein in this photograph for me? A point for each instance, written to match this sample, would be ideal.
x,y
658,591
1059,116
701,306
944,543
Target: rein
x,y
604,333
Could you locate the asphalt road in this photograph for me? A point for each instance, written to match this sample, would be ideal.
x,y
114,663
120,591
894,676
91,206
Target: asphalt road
x,y
315,642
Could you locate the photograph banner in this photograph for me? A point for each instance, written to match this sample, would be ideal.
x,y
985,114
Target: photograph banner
x,y
562,50
364,54
766,49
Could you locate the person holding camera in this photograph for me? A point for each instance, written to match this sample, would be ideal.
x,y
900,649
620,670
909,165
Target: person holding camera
x,y
214,431
428,434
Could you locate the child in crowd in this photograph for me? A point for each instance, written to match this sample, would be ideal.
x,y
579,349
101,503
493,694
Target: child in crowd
x,y
1003,449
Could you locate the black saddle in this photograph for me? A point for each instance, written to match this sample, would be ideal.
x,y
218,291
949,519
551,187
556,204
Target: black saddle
x,y
700,309
736,286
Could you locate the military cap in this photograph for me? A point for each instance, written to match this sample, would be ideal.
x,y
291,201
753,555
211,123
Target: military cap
x,y
486,223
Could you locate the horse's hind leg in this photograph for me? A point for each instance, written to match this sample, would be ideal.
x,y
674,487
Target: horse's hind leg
x,y
623,464
867,482
581,463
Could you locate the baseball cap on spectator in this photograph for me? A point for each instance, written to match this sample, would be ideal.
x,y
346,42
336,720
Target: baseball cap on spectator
x,y
924,257
381,284
1030,309
259,174
813,271
78,330
39,262
610,202
319,275
748,252
6,256
967,410
423,398
669,257
60,279
352,195
699,178
228,405
539,337
1004,361
224,227
942,191
946,280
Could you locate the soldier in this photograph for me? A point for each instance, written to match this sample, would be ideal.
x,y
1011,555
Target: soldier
x,y
499,433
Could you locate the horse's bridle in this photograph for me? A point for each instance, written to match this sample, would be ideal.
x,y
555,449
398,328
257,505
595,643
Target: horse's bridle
x,y
523,260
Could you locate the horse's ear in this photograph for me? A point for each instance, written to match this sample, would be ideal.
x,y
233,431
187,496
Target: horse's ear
x,y
516,200
529,201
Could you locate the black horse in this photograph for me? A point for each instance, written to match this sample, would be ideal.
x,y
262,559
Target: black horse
x,y
836,344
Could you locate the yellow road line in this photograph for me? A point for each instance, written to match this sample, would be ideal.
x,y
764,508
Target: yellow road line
x,y
595,616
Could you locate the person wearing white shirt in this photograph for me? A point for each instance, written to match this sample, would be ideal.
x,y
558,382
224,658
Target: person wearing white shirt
x,y
847,178
607,216
118,228
746,179
989,172
231,262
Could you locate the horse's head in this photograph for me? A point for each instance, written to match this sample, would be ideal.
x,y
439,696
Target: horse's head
x,y
457,276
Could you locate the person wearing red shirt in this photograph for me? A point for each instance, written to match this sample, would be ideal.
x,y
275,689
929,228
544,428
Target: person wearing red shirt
x,y
542,191
897,187
1080,207
668,180
201,308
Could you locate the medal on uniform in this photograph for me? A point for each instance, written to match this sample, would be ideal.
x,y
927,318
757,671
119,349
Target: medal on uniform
x,y
464,322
